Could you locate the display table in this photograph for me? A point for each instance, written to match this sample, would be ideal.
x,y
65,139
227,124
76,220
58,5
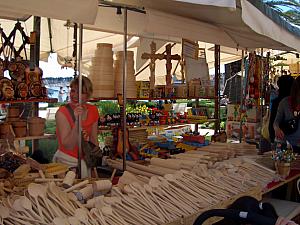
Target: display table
x,y
294,174
255,192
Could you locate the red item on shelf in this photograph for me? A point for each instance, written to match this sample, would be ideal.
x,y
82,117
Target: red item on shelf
x,y
194,138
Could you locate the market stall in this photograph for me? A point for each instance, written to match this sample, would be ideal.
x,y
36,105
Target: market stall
x,y
156,192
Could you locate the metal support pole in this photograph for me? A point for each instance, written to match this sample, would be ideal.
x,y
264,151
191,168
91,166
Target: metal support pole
x,y
261,103
217,89
242,95
80,98
124,88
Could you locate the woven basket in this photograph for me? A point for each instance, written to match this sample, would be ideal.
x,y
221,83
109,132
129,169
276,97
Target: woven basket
x,y
36,126
282,168
20,128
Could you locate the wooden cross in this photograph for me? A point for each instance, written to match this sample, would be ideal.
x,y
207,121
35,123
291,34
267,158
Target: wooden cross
x,y
152,56
169,57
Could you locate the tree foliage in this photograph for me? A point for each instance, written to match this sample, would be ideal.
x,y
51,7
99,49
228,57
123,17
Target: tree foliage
x,y
288,9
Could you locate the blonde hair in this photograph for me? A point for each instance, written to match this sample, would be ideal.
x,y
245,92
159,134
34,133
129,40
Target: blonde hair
x,y
87,86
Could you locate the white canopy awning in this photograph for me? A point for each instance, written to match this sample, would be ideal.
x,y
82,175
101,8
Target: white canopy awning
x,y
244,26
78,11
228,23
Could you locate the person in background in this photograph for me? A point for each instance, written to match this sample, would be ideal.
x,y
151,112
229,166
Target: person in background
x,y
61,94
284,84
67,129
67,94
289,108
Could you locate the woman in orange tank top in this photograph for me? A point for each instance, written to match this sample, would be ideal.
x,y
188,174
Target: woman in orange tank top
x,y
67,129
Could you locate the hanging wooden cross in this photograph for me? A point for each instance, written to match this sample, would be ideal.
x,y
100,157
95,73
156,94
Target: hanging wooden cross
x,y
169,57
152,56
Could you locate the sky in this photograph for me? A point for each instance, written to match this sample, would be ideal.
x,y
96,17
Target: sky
x,y
53,69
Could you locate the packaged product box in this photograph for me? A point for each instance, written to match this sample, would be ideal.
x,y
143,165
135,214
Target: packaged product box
x,y
143,93
159,91
194,86
250,131
253,115
233,112
181,90
143,84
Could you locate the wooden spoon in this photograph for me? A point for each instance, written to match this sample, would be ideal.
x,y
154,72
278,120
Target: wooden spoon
x,y
42,192
61,197
61,221
149,190
32,192
138,188
97,214
18,206
73,220
4,213
107,211
27,205
82,216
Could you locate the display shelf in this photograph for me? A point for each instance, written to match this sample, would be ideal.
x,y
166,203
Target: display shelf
x,y
45,136
160,125
150,99
48,100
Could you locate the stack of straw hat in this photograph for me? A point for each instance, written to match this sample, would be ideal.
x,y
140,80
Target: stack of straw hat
x,y
101,71
118,70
